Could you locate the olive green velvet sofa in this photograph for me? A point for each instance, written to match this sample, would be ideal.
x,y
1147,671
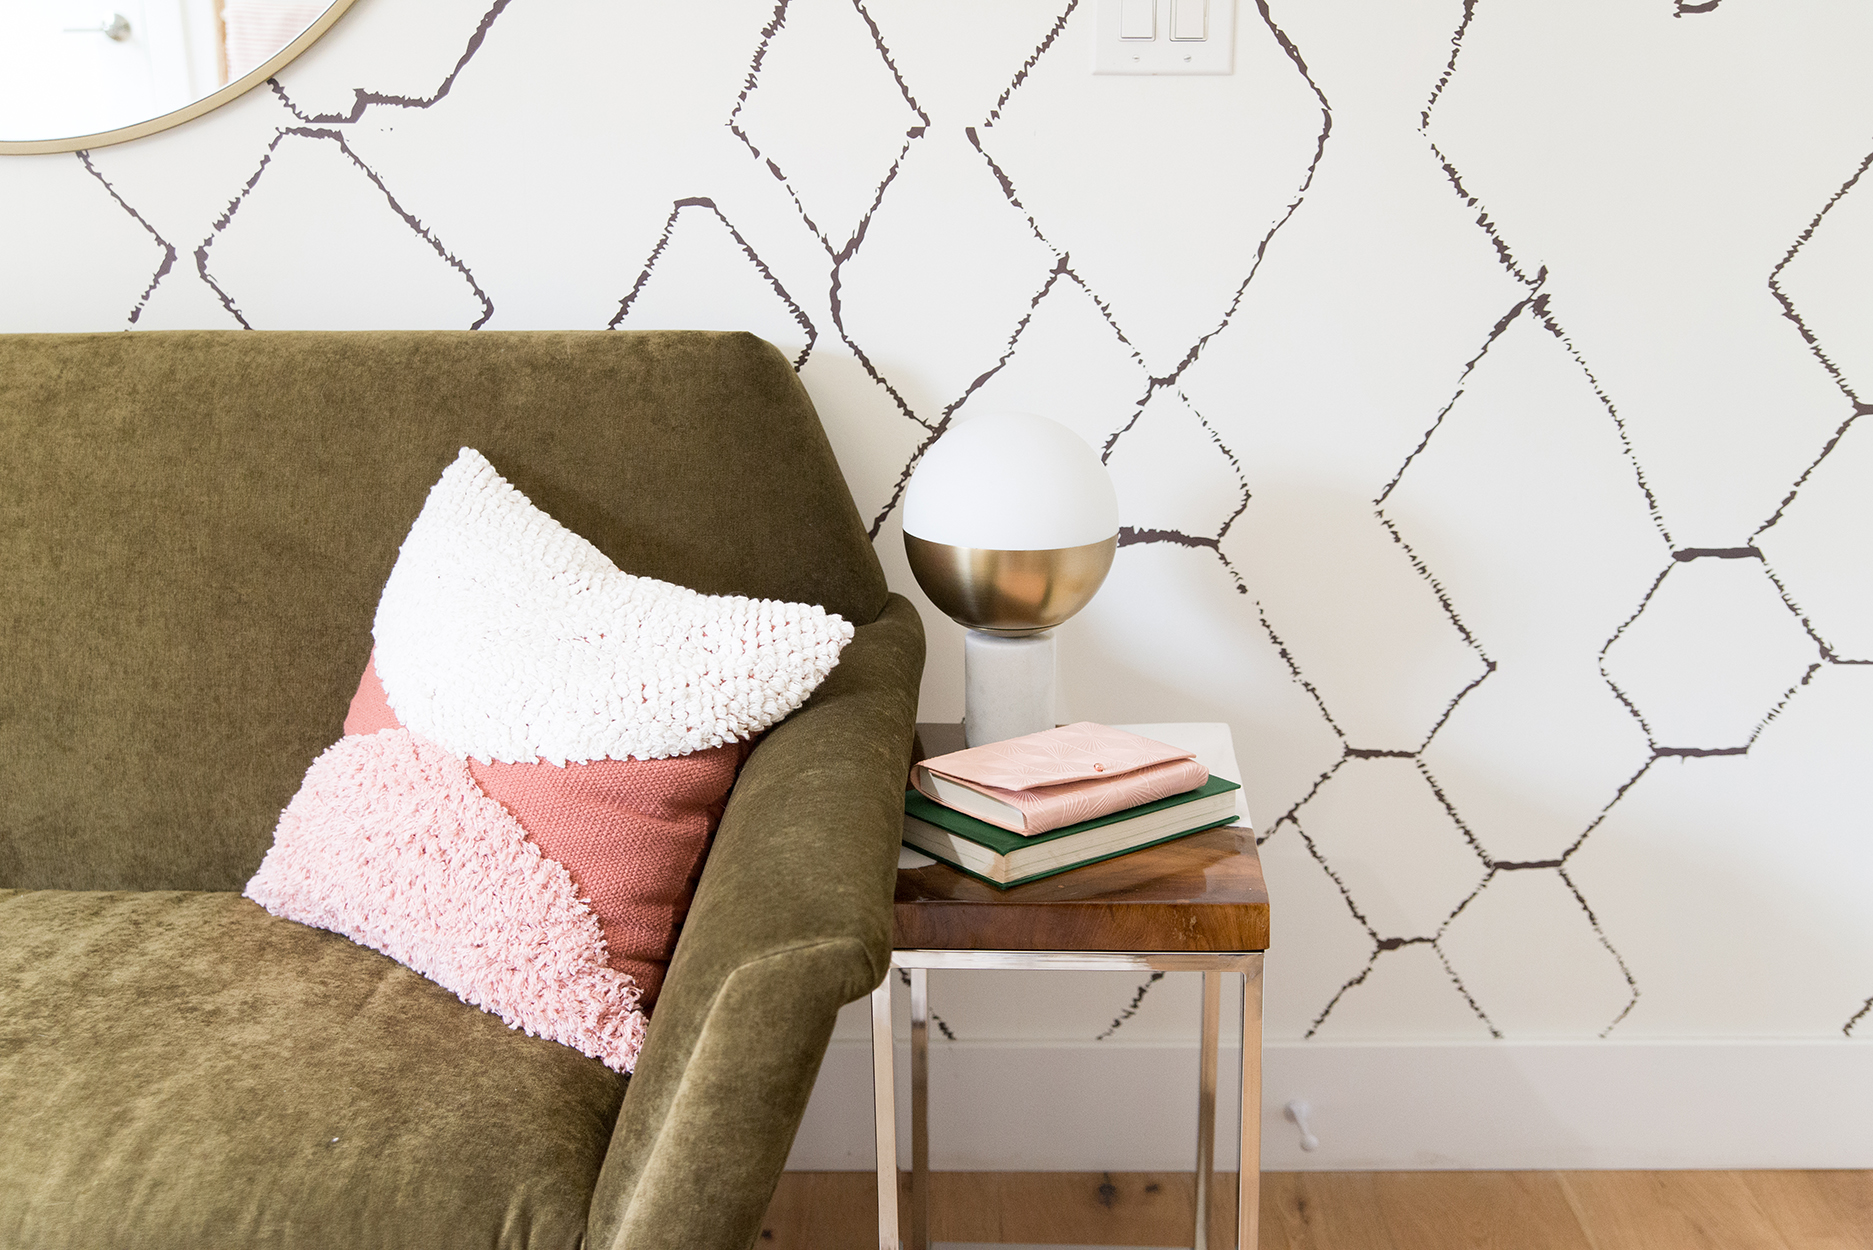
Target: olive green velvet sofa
x,y
194,528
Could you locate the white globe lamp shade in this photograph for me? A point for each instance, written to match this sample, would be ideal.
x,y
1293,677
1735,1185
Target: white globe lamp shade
x,y
1013,482
1010,523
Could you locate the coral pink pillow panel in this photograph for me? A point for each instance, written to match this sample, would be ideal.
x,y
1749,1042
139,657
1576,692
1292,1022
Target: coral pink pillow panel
x,y
632,833
533,765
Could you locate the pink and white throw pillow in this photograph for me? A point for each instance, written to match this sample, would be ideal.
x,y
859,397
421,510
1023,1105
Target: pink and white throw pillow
x,y
536,757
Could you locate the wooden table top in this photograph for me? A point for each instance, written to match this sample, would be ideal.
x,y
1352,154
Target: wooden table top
x,y
1199,893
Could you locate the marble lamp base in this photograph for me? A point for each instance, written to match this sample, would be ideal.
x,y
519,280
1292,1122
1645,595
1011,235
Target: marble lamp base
x,y
1008,686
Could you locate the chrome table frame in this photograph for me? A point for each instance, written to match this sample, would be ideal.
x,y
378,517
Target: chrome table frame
x,y
1211,964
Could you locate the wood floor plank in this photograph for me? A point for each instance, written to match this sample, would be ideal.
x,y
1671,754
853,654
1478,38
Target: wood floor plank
x,y
1478,1211
1680,1210
1817,1210
1356,1211
811,1210
1070,1208
1323,1211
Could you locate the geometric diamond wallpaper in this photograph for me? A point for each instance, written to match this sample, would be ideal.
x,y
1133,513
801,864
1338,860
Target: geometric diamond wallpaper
x,y
1485,387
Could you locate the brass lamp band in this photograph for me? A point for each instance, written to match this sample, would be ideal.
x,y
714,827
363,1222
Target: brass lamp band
x,y
1011,593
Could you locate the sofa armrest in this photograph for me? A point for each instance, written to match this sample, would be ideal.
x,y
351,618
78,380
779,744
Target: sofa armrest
x,y
792,919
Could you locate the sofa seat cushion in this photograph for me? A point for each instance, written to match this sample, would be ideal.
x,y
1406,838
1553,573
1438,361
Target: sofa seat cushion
x,y
183,1069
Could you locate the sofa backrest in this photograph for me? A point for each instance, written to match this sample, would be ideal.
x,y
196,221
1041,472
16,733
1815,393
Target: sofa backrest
x,y
194,527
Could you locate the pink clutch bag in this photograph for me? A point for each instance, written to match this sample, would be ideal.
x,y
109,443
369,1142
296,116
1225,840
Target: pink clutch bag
x,y
1058,777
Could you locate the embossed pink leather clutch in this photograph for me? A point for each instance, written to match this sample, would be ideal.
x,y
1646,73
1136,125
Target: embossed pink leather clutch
x,y
1058,777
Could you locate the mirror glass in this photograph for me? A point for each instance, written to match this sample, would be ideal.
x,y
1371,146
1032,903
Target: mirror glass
x,y
75,68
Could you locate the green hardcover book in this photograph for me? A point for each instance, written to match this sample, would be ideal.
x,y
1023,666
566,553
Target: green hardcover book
x,y
1003,858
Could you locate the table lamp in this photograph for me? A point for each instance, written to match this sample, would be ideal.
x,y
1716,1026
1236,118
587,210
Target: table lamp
x,y
1010,523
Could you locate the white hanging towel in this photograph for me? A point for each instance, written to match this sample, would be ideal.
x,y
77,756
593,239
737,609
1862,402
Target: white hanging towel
x,y
256,29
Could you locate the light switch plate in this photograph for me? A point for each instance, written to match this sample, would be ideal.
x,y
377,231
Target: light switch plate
x,y
1164,55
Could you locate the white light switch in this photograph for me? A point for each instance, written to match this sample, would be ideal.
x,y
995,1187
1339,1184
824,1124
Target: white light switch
x,y
1189,20
1162,36
1138,19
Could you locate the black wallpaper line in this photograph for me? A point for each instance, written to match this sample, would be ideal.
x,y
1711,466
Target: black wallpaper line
x,y
1716,553
1300,194
1291,816
1540,310
1358,979
1346,897
1860,410
943,1028
1611,803
1464,990
409,219
169,249
1789,311
338,137
1625,625
1063,268
1483,219
1131,1009
1027,67
1853,1020
1489,666
221,223
1450,968
663,241
942,423
1438,590
1469,366
1392,942
843,253
1130,537
363,99
1686,555
1456,817
1133,536
1450,67
877,39
1294,670
1339,883
1829,654
1600,933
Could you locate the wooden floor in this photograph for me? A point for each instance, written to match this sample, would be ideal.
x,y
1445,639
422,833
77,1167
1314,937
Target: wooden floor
x,y
1357,1210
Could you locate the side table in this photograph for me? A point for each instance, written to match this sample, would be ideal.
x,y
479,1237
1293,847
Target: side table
x,y
1197,904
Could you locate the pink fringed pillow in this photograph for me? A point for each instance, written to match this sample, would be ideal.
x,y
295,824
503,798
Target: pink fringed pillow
x,y
632,833
533,765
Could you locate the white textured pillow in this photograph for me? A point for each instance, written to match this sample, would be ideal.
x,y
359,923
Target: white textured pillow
x,y
503,635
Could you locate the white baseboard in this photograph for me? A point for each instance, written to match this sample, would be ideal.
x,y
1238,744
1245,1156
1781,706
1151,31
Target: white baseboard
x,y
1017,1106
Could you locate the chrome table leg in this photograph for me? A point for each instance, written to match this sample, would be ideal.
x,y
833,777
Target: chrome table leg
x,y
1206,1103
884,1108
918,962
920,1109
1249,1158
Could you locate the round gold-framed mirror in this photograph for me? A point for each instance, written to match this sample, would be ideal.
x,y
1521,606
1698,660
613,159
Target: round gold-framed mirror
x,y
75,74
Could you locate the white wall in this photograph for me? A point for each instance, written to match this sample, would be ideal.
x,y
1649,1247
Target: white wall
x,y
1480,391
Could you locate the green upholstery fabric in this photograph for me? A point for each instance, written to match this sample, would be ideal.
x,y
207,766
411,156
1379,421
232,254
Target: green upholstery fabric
x,y
193,534
196,525
183,1070
792,919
